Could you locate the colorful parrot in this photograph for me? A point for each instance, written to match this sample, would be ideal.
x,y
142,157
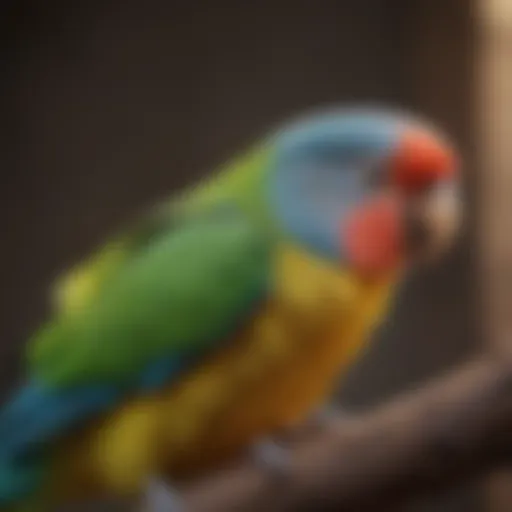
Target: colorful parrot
x,y
228,313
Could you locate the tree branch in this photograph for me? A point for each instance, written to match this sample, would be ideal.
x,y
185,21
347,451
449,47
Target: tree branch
x,y
452,430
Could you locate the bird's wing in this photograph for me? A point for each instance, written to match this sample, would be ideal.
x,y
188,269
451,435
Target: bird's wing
x,y
163,310
178,297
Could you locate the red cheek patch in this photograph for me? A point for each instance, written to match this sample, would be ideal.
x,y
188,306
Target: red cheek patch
x,y
373,236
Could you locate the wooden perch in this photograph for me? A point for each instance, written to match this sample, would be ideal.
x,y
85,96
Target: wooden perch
x,y
451,431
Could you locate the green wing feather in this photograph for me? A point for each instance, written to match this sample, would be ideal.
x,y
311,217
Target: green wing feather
x,y
184,290
79,286
240,182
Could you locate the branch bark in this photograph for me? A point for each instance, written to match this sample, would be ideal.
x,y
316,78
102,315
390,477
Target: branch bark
x,y
452,430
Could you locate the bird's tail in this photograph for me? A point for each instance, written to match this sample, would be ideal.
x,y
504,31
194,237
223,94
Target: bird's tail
x,y
20,468
17,481
30,424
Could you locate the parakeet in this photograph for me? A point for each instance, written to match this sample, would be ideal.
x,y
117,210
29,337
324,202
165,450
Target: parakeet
x,y
230,311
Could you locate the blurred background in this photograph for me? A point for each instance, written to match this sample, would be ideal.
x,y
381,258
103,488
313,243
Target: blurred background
x,y
110,105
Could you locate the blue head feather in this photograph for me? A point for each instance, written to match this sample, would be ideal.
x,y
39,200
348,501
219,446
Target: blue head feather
x,y
322,169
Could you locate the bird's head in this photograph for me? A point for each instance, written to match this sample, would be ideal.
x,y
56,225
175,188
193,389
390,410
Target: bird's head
x,y
376,190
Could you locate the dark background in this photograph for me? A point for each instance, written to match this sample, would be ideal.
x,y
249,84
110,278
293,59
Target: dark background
x,y
110,105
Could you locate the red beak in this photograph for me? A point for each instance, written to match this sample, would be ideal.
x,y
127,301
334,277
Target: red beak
x,y
422,159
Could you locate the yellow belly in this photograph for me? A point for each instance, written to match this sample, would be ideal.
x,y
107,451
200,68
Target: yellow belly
x,y
284,364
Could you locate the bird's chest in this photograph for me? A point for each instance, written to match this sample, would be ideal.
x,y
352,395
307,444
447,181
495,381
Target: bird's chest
x,y
310,332
290,357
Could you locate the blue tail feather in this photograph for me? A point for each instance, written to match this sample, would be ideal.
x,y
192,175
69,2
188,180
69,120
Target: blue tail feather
x,y
17,481
35,417
38,415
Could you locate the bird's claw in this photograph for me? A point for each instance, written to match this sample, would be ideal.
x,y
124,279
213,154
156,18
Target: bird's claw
x,y
160,497
319,421
272,456
324,416
275,456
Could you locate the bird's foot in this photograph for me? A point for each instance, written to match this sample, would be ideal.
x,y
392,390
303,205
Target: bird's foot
x,y
160,497
272,456
317,422
324,417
